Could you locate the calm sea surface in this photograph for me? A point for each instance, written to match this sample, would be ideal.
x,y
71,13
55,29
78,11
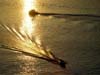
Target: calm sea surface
x,y
76,39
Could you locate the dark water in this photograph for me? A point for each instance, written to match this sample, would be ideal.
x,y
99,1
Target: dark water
x,y
72,38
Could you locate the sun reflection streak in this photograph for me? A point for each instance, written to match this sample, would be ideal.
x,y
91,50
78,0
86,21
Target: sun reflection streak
x,y
31,44
27,30
27,25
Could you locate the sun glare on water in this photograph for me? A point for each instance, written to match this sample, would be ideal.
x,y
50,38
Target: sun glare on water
x,y
29,41
28,28
27,25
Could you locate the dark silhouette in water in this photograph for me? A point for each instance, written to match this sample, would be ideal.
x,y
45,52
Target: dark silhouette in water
x,y
53,60
62,63
33,13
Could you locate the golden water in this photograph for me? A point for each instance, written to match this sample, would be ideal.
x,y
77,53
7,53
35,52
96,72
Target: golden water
x,y
75,39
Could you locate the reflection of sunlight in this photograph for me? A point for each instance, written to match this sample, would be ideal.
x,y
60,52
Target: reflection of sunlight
x,y
26,32
27,26
28,68
31,44
27,29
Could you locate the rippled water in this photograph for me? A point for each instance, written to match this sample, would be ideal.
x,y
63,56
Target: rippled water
x,y
72,38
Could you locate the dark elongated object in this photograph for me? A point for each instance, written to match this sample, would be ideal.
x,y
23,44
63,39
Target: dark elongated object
x,y
33,13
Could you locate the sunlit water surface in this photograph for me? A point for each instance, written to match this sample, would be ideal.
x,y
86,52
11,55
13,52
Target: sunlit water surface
x,y
74,39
